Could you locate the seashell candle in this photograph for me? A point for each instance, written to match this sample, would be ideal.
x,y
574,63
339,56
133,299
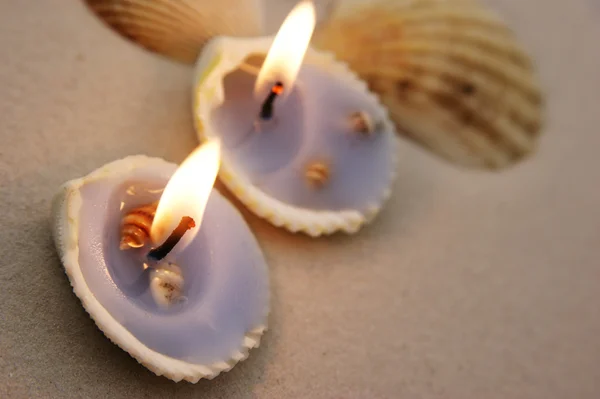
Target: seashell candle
x,y
305,144
188,308
451,72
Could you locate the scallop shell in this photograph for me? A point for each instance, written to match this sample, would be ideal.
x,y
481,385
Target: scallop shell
x,y
452,74
224,55
179,28
66,221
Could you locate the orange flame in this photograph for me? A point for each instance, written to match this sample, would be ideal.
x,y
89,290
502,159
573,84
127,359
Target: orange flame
x,y
287,52
187,193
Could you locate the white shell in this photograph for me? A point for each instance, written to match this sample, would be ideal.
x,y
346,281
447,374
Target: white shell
x,y
65,210
179,28
166,284
452,73
223,55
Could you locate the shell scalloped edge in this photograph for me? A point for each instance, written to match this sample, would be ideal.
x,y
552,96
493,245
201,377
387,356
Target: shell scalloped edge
x,y
294,219
65,207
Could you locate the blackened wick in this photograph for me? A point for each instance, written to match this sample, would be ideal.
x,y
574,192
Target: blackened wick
x,y
266,112
163,250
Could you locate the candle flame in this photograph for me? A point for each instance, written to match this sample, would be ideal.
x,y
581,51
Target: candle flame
x,y
285,56
187,193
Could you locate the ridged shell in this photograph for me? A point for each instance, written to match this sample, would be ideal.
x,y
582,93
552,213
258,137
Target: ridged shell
x,y
224,55
179,28
66,206
451,73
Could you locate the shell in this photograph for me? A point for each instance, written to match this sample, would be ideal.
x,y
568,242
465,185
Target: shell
x,y
166,284
66,221
317,173
224,55
362,123
452,74
179,29
135,227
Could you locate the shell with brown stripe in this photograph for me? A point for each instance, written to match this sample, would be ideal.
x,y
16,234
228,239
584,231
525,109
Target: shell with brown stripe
x,y
135,226
452,74
178,29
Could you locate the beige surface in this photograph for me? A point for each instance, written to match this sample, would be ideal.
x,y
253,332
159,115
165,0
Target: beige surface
x,y
469,285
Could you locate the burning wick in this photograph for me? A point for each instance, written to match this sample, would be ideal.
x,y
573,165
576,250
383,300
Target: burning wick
x,y
163,250
266,112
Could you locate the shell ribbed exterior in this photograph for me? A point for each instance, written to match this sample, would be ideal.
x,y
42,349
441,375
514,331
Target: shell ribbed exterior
x,y
179,29
452,74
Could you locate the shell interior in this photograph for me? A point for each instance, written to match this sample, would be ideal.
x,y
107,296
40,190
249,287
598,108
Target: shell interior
x,y
225,280
274,174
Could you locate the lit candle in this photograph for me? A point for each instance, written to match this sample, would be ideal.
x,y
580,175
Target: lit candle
x,y
166,266
305,144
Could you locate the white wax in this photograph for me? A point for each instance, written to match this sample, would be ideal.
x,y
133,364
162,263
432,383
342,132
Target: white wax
x,y
225,275
313,124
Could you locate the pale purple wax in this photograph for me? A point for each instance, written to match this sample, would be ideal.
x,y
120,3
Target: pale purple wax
x,y
226,284
311,125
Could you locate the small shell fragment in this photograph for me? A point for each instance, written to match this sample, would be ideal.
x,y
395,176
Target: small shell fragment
x,y
135,227
362,123
318,173
166,284
451,72
179,29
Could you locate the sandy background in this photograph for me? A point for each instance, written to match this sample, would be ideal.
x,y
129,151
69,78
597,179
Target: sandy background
x,y
468,285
